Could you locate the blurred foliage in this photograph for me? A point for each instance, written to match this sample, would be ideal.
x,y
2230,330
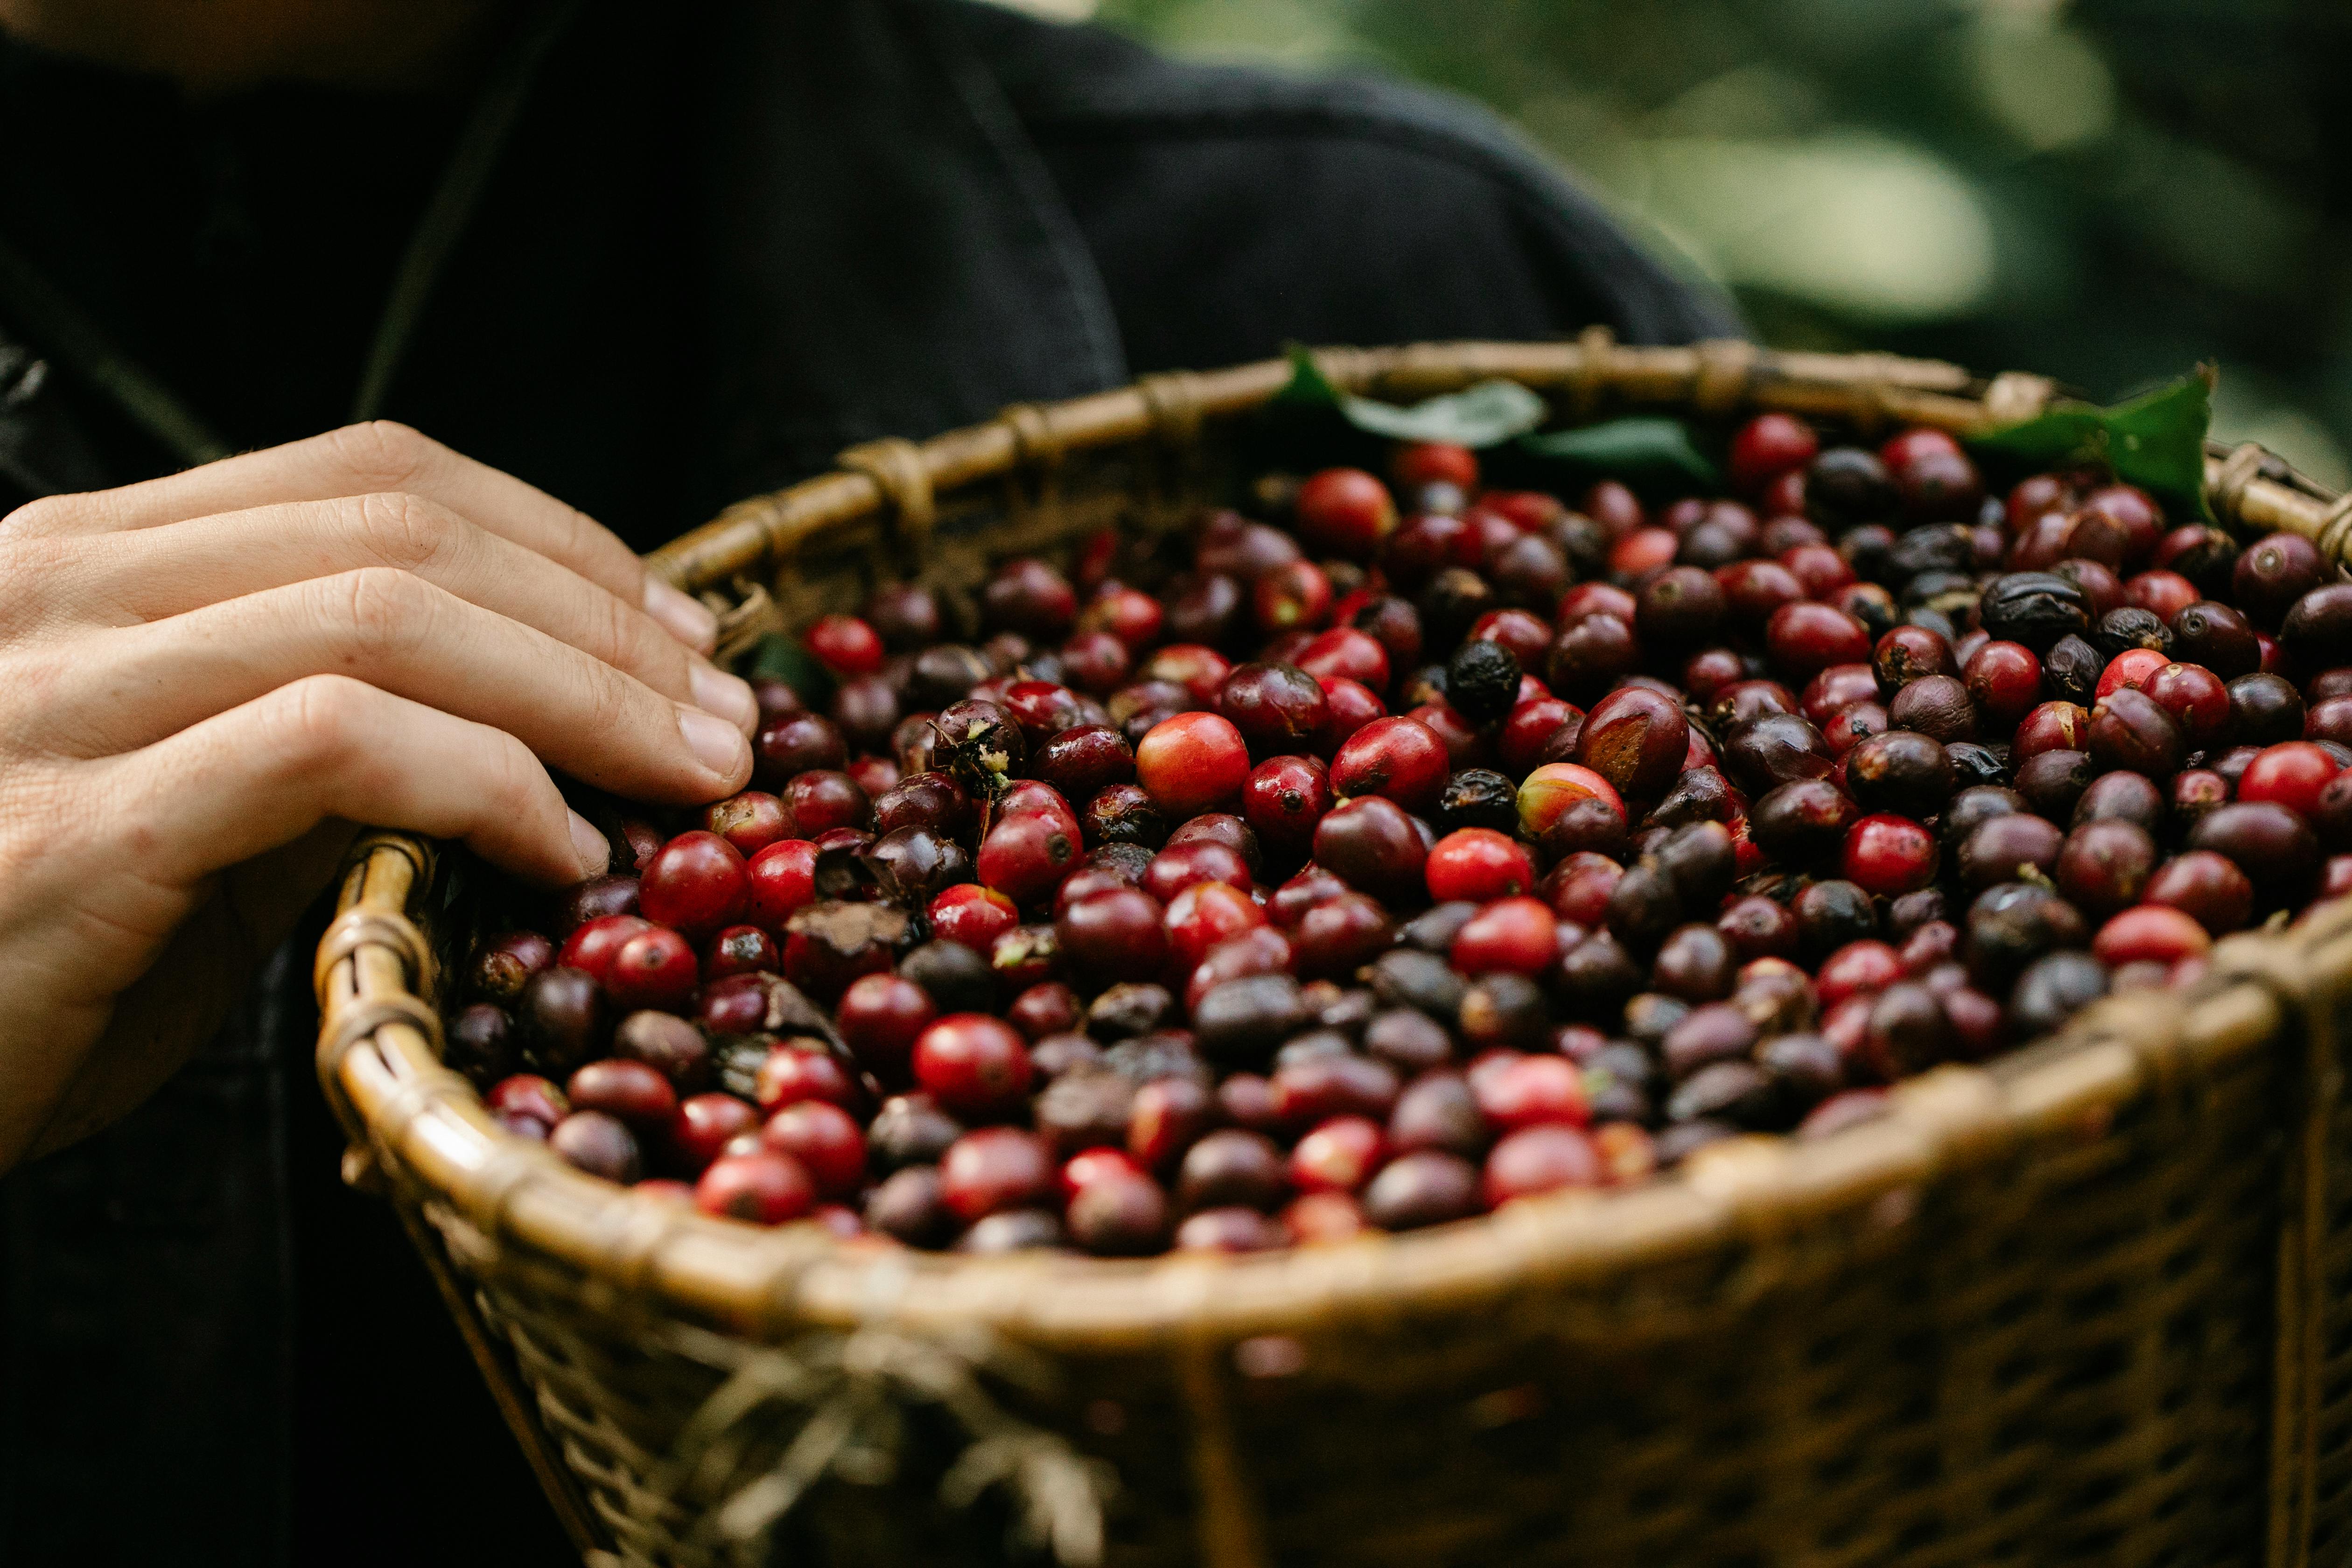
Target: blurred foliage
x,y
2109,192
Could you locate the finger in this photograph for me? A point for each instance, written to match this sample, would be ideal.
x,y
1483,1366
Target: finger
x,y
330,748
152,573
360,459
116,690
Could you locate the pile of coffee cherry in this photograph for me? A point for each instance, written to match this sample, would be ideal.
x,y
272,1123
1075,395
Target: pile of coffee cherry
x,y
1427,846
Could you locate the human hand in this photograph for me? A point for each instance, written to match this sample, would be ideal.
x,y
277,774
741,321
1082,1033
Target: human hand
x,y
206,681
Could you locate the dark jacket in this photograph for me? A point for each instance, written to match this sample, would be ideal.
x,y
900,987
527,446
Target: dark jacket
x,y
714,252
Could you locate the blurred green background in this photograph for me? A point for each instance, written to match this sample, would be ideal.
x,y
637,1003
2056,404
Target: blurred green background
x,y
2108,192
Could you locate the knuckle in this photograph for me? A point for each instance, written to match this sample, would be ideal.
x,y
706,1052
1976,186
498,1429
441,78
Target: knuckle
x,y
615,634
45,514
404,530
384,610
597,548
53,585
516,779
39,713
383,454
316,723
31,563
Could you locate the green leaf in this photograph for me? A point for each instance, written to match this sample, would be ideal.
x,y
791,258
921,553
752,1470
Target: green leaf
x,y
2156,441
1639,445
1486,415
1309,387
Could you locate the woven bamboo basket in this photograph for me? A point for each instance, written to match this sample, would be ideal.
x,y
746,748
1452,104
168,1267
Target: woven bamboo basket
x,y
2086,1304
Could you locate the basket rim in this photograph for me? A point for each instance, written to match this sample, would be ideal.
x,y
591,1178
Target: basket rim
x,y
425,1129
890,486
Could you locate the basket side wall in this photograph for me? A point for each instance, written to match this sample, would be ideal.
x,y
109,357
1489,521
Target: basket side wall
x,y
2062,1354
2058,1344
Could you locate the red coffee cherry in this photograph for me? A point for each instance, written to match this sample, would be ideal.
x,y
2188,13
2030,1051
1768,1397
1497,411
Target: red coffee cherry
x,y
1346,511
1547,794
1339,1155
790,744
973,916
1835,690
1294,596
1400,758
1261,950
1346,653
1182,866
656,967
780,881
1418,463
2150,933
1477,864
826,1140
1204,916
1115,935
1768,445
1805,638
2105,866
697,882
2195,699
1540,1159
879,1018
1191,763
2291,773
995,1170
2207,887
593,945
1284,798
705,1124
764,1187
974,1065
792,1073
1027,856
2132,668
750,821
1889,854
906,615
1518,935
845,645
1531,1092
2129,729
2004,682
740,950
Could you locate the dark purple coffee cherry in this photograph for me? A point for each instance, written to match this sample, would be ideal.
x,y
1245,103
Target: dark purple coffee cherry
x,y
2218,637
1974,807
1899,771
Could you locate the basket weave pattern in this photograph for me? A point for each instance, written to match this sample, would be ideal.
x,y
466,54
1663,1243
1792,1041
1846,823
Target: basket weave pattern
x,y
2091,1303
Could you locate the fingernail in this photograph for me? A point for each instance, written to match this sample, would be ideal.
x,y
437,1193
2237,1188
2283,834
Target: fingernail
x,y
685,616
716,691
716,744
595,854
